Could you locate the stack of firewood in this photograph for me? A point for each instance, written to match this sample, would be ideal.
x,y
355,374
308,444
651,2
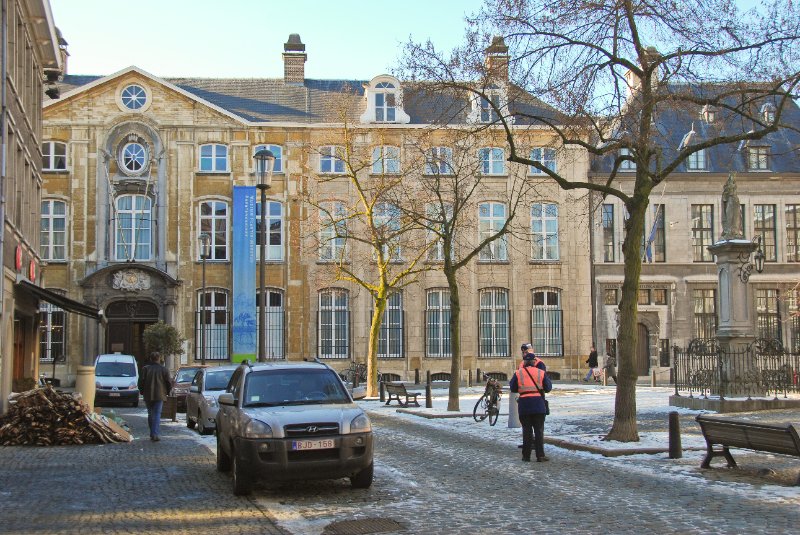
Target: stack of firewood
x,y
45,417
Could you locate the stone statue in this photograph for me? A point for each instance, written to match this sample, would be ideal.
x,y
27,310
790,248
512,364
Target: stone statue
x,y
731,212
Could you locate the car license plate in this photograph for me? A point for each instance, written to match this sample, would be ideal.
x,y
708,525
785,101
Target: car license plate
x,y
113,395
298,445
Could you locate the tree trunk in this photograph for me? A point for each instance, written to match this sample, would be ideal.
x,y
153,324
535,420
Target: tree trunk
x,y
625,428
455,342
372,351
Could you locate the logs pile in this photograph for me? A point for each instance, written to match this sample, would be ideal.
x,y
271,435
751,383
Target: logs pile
x,y
45,417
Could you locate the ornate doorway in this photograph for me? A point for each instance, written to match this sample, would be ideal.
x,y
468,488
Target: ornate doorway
x,y
643,351
126,323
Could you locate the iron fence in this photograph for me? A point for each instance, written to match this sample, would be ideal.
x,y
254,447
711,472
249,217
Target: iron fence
x,y
764,367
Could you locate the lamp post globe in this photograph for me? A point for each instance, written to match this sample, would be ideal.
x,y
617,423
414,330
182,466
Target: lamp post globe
x,y
265,161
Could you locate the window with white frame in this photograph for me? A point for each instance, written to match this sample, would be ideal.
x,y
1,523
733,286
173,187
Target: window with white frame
x,y
758,158
386,160
331,159
333,324
390,338
133,97
213,321
274,313
489,103
52,330
213,158
437,215
492,160
133,158
133,228
332,232
491,218
214,223
765,225
768,316
705,312
385,102
384,97
387,226
437,324
609,233
277,151
545,156
547,322
768,113
708,113
54,156
626,165
544,231
53,234
494,323
702,230
273,218
696,161
439,161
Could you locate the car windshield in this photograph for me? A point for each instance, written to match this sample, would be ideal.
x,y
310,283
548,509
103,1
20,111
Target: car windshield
x,y
301,386
218,379
186,375
115,369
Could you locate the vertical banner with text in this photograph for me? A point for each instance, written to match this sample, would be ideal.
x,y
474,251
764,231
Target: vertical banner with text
x,y
245,337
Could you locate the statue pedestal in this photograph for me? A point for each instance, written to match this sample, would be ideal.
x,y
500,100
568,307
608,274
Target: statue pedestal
x,y
735,331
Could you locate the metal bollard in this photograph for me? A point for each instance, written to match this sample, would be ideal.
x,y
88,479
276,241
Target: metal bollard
x,y
383,391
513,411
416,376
675,450
478,376
653,379
469,378
428,400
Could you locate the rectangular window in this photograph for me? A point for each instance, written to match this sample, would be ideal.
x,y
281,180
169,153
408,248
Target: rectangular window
x,y
545,156
387,224
493,161
696,161
214,222
333,324
547,322
133,234
439,161
435,223
53,235
437,324
609,244
656,244
213,158
702,230
768,317
659,296
331,159
764,225
390,339
277,152
792,212
385,107
705,313
52,328
610,296
758,158
493,324
386,160
491,218
664,353
332,232
544,231
488,113
212,321
54,156
273,220
643,297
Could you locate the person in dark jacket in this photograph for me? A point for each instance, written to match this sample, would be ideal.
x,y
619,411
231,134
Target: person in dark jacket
x,y
154,384
531,382
527,349
592,362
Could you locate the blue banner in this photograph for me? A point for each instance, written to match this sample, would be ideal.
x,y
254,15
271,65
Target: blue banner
x,y
245,339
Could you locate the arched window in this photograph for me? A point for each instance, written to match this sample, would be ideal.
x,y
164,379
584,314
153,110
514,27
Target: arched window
x,y
387,224
439,161
214,223
768,113
386,160
333,324
277,151
491,218
547,320
544,231
437,324
273,219
332,232
53,234
54,156
274,313
545,156
493,161
213,320
331,159
213,158
390,338
384,97
385,102
494,325
133,228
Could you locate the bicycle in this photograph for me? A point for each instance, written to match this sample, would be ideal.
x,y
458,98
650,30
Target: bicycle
x,y
488,406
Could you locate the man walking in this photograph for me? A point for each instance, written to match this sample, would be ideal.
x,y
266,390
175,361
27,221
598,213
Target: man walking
x,y
154,384
531,382
592,362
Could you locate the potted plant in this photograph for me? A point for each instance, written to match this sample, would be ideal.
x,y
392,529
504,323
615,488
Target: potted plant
x,y
165,339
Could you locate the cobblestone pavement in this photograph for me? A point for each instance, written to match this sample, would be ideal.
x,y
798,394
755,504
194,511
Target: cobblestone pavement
x,y
168,487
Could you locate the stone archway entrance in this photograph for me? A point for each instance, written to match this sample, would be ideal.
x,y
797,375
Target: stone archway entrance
x,y
126,323
643,350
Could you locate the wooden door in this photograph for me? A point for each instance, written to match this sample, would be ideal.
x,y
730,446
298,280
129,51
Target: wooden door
x,y
643,351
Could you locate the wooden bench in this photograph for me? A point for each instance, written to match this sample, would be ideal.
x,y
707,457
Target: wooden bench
x,y
781,439
396,390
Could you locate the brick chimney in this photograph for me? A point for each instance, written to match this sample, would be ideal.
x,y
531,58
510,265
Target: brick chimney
x,y
497,59
294,57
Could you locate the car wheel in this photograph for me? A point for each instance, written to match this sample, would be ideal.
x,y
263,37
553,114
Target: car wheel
x,y
201,428
363,479
223,459
189,422
242,482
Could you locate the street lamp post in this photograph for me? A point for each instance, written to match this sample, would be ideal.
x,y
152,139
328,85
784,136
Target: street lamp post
x,y
265,161
205,249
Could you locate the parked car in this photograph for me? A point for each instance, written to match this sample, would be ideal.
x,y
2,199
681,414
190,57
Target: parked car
x,y
201,403
180,383
289,421
116,379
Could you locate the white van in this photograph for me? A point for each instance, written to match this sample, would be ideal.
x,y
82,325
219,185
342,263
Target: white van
x,y
116,379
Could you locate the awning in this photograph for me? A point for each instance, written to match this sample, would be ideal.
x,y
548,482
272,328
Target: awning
x,y
61,301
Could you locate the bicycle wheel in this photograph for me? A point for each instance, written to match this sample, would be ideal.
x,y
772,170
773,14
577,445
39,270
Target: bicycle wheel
x,y
494,411
481,410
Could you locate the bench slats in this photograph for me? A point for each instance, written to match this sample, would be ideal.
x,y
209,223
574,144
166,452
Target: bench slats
x,y
395,390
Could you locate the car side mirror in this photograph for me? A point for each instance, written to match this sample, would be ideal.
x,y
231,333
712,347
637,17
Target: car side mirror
x,y
195,389
226,399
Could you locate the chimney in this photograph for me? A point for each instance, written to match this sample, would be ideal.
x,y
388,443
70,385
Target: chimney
x,y
294,56
497,59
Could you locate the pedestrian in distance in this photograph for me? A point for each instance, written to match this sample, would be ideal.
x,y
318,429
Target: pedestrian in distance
x,y
592,362
532,383
611,367
154,384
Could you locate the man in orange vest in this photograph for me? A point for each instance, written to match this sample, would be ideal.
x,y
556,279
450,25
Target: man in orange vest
x,y
531,382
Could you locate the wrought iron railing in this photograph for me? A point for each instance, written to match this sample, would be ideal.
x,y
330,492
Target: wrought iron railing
x,y
764,367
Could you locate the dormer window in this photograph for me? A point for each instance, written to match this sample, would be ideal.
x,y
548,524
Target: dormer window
x,y
384,101
708,114
758,158
768,113
488,106
626,165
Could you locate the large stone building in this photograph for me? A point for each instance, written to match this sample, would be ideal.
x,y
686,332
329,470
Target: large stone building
x,y
678,291
32,57
140,166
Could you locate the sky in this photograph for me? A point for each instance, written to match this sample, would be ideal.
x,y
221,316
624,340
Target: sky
x,y
345,39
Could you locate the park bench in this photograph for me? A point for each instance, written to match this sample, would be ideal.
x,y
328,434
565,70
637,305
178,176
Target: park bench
x,y
396,390
728,433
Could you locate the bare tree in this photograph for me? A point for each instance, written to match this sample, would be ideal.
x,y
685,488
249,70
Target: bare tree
x,y
612,69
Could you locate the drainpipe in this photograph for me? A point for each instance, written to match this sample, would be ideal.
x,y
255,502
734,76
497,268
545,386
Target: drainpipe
x,y
3,156
592,285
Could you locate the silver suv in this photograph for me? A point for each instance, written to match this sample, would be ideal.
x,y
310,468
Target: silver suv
x,y
291,420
